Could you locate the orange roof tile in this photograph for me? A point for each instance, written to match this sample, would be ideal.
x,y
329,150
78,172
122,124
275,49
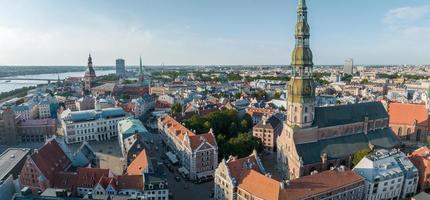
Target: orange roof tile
x,y
260,185
139,164
239,166
405,113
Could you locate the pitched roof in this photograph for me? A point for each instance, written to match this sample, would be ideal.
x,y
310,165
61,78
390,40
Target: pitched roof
x,y
139,164
66,180
260,185
347,114
406,113
323,182
270,123
237,167
175,127
130,182
197,140
346,145
179,131
105,181
50,158
89,177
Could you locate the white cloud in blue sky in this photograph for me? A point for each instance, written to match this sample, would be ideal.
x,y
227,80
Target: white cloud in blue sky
x,y
60,32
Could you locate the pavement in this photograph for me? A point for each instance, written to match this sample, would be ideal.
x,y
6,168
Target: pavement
x,y
269,163
183,189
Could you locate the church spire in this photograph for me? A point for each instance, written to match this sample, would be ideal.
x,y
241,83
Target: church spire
x,y
90,60
141,73
301,89
302,55
140,66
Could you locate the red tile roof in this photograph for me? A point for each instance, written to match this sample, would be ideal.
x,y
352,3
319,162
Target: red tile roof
x,y
66,180
197,140
89,177
105,181
130,182
139,164
320,183
50,159
405,113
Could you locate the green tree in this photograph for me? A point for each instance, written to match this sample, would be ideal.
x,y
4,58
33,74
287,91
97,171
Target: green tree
x,y
242,145
277,95
364,81
282,109
176,108
360,155
346,78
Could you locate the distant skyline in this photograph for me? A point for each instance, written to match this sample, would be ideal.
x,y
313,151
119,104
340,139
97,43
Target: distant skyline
x,y
193,32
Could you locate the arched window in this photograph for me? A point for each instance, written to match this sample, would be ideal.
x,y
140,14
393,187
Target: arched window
x,y
306,109
306,119
399,131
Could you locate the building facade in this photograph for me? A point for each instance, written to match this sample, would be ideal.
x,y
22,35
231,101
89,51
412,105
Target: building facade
x,y
229,172
198,154
36,130
388,175
8,129
421,159
120,67
319,138
268,130
89,125
409,121
348,67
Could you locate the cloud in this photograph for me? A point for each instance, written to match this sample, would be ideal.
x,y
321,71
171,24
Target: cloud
x,y
405,15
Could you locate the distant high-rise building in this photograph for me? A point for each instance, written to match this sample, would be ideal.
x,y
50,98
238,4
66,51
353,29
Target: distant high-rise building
x,y
348,68
120,67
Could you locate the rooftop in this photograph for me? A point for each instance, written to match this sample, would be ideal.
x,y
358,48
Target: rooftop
x,y
406,113
319,183
9,159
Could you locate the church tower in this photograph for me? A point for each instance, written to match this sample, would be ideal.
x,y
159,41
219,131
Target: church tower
x,y
141,73
301,89
90,74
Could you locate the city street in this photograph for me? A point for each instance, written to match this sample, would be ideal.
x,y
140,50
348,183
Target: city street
x,y
183,189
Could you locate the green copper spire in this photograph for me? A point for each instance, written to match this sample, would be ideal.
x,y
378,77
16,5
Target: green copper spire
x,y
141,74
140,66
301,86
302,54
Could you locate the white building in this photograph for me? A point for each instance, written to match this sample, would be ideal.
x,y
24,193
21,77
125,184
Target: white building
x,y
198,154
91,124
143,105
388,175
44,109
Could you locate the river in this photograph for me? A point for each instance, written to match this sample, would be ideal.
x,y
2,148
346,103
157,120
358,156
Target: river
x,y
6,86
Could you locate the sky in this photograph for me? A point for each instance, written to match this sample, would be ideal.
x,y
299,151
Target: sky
x,y
203,32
